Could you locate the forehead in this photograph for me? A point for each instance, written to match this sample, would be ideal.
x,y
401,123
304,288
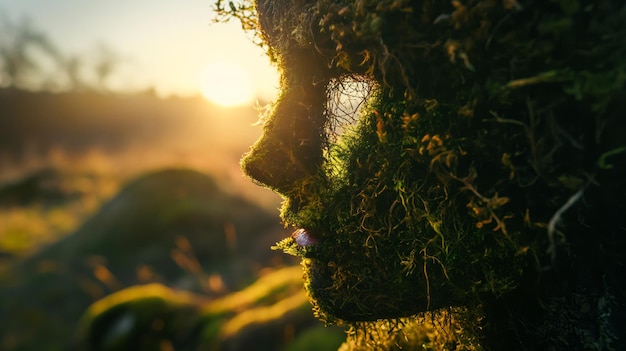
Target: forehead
x,y
285,21
377,40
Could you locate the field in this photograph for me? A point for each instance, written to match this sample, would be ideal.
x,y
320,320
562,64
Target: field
x,y
125,223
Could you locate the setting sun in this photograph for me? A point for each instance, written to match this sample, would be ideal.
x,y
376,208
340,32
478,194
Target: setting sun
x,y
226,84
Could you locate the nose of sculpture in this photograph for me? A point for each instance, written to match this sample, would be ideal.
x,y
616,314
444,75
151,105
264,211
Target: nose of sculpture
x,y
290,148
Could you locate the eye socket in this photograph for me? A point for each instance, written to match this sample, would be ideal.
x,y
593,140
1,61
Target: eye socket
x,y
346,95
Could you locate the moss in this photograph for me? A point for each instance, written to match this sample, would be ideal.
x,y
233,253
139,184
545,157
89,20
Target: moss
x,y
475,175
140,317
422,332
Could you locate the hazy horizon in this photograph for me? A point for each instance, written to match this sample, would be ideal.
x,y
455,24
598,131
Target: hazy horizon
x,y
160,44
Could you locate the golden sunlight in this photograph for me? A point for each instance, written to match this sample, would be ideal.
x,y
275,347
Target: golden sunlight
x,y
226,84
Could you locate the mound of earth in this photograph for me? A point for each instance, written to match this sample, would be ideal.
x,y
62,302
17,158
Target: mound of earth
x,y
273,313
175,227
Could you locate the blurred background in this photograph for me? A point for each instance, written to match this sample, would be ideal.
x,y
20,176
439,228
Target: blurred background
x,y
125,222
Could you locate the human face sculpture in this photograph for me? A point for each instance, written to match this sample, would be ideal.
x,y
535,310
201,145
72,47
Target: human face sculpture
x,y
383,199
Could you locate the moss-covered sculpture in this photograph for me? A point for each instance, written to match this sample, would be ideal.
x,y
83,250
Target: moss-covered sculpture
x,y
486,170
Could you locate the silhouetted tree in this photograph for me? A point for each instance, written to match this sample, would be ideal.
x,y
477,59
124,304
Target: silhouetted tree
x,y
107,61
30,60
22,49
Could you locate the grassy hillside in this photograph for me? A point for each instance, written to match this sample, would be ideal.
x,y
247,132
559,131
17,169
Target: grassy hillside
x,y
113,201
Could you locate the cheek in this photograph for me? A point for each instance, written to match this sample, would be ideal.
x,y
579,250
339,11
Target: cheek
x,y
376,261
358,290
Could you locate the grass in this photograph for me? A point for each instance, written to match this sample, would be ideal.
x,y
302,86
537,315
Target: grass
x,y
273,313
275,304
67,248
26,229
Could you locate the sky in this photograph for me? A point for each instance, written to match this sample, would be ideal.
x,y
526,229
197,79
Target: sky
x,y
165,44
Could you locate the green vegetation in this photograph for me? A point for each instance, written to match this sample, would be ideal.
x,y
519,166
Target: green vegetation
x,y
46,205
173,226
270,314
476,174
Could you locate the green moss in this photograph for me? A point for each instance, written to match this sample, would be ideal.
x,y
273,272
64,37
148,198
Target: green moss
x,y
461,183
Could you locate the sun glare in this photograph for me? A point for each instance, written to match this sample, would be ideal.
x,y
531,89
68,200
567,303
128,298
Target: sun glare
x,y
226,84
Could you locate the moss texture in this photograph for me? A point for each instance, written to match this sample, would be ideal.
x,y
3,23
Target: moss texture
x,y
486,169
